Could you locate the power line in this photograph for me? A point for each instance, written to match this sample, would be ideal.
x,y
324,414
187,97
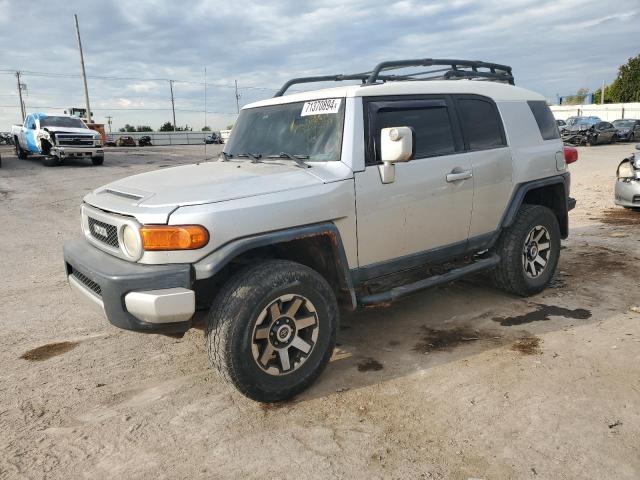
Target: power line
x,y
125,109
144,79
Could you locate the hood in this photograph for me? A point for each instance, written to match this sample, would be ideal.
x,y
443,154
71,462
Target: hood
x,y
162,191
86,131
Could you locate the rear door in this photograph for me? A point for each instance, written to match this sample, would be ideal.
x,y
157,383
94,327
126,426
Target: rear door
x,y
424,209
490,158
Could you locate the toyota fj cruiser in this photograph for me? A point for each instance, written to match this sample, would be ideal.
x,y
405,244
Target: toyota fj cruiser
x,y
340,197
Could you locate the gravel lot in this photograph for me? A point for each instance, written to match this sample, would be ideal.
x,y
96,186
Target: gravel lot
x,y
458,382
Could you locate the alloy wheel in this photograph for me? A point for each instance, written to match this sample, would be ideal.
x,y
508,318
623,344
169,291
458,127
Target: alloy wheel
x,y
285,334
536,251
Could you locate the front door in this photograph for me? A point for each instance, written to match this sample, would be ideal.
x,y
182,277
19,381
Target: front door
x,y
427,209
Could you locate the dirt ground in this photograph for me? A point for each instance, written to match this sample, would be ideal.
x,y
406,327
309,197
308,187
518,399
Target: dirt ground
x,y
457,382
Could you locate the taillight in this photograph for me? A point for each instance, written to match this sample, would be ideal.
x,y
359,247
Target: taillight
x,y
570,154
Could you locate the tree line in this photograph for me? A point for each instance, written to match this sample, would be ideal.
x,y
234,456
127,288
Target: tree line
x,y
624,89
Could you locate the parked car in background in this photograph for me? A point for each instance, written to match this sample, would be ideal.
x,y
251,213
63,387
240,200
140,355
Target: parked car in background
x,y
6,138
627,191
560,124
126,141
571,120
111,141
589,131
56,137
627,129
213,138
145,141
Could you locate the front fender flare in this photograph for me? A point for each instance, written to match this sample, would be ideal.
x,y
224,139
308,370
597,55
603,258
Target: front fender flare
x,y
217,260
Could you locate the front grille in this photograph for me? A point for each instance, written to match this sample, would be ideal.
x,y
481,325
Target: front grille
x,y
87,282
104,232
75,141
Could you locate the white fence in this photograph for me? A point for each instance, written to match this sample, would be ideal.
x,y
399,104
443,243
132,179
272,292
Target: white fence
x,y
608,111
165,138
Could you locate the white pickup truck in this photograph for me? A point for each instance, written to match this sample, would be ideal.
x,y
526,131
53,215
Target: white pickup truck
x,y
56,137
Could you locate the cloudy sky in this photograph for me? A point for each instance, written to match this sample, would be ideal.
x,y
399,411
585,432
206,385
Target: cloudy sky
x,y
133,48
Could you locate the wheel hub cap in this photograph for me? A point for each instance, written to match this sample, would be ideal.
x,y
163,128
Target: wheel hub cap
x,y
285,334
282,332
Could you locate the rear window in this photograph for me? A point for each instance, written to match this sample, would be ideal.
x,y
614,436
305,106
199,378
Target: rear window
x,y
480,124
545,119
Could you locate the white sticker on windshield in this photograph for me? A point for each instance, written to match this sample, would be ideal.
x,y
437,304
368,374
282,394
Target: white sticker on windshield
x,y
321,107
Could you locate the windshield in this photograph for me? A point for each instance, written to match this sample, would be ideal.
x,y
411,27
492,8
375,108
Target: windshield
x,y
587,121
69,122
623,123
310,129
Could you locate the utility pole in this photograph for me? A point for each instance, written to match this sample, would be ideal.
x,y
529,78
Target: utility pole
x,y
602,94
205,97
20,85
109,117
173,105
237,98
205,111
84,75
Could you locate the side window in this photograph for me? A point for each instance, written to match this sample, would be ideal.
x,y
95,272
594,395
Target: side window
x,y
431,126
481,125
544,119
32,123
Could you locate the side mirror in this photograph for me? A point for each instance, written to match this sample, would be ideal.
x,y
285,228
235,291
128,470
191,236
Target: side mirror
x,y
396,145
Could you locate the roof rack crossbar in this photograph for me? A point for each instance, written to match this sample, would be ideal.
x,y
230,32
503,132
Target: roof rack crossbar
x,y
455,69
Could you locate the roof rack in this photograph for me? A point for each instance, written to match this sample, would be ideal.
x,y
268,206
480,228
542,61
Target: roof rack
x,y
454,69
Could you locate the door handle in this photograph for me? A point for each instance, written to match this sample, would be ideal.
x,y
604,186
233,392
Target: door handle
x,y
455,176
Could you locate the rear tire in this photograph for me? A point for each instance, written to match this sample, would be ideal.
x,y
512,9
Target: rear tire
x,y
529,251
97,160
261,323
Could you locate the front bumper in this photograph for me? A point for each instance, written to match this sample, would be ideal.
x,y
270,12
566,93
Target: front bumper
x,y
64,152
146,298
627,193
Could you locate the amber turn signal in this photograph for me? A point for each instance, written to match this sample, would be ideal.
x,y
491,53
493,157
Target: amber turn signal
x,y
173,237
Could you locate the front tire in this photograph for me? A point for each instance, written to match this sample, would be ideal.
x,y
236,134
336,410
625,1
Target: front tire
x,y
97,160
20,153
272,329
50,161
529,251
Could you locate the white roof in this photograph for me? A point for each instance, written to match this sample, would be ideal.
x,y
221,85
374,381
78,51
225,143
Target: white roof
x,y
496,90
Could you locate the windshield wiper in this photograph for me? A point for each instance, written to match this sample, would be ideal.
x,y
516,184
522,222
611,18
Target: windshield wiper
x,y
254,158
295,158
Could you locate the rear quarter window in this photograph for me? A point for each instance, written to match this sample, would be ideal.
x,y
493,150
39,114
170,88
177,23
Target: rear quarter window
x,y
481,124
545,119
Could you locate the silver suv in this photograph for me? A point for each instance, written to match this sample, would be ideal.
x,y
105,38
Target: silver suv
x,y
316,197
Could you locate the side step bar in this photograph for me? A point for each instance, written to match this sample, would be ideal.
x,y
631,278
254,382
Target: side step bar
x,y
404,290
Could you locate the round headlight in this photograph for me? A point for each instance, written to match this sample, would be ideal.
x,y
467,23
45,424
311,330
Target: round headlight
x,y
131,241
